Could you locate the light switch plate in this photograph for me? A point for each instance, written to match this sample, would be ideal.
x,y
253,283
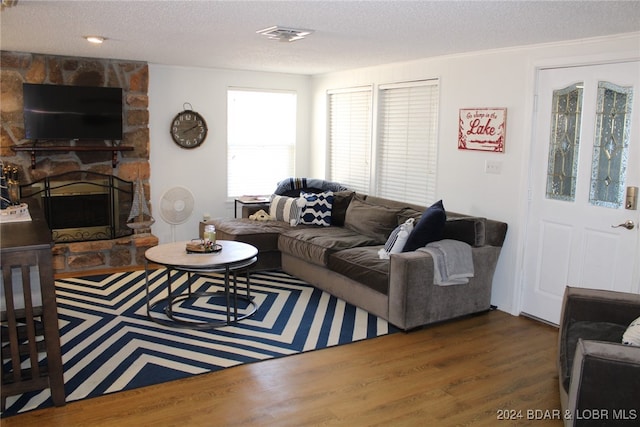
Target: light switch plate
x,y
493,166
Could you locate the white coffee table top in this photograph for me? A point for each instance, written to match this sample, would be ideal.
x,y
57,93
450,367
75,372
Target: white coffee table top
x,y
175,255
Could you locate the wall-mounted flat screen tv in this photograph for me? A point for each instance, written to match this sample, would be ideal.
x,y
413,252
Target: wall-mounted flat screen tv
x,y
72,112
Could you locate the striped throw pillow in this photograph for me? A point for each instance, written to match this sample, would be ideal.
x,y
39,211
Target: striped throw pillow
x,y
285,209
397,239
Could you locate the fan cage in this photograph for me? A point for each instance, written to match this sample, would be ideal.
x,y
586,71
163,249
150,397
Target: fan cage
x,y
176,205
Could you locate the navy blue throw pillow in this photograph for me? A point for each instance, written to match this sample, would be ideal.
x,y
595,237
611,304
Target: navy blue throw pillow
x,y
428,229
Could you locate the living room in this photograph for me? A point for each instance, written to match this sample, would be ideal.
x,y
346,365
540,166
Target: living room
x,y
507,79
495,78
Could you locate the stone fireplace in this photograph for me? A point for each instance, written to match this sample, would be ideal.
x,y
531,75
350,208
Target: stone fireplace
x,y
107,245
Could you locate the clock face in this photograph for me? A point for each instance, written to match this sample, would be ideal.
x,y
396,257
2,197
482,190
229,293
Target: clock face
x,y
188,129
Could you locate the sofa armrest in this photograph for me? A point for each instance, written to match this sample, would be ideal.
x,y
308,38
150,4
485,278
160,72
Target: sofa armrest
x,y
605,381
414,300
408,273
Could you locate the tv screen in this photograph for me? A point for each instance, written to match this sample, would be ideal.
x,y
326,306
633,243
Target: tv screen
x,y
72,112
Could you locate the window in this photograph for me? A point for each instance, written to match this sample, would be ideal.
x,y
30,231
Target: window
x,y
261,138
407,142
350,137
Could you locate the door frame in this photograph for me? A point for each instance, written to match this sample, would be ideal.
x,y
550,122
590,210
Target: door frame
x,y
531,111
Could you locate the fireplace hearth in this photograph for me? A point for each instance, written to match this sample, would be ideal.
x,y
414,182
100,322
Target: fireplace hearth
x,y
83,206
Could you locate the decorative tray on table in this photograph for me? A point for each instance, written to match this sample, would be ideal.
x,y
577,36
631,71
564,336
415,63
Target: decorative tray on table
x,y
198,246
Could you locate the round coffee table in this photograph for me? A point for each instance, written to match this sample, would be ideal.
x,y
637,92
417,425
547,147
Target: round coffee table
x,y
234,257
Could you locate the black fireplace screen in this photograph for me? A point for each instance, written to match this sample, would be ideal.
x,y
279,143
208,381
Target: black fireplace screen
x,y
83,206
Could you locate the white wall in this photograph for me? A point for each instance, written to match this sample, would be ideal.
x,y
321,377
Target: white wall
x,y
502,78
203,170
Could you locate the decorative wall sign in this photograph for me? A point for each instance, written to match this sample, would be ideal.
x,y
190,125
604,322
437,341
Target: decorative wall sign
x,y
482,129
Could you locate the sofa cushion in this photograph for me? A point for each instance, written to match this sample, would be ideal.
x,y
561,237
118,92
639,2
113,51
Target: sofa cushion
x,y
317,208
371,220
587,330
261,234
341,200
315,245
470,230
363,265
286,209
407,213
428,229
632,335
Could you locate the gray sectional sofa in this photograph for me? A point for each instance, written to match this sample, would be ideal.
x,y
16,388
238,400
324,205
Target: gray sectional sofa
x,y
343,259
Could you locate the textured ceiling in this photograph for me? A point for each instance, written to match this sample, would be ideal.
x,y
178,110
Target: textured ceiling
x,y
348,34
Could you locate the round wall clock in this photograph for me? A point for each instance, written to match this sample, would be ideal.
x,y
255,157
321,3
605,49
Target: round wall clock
x,y
188,129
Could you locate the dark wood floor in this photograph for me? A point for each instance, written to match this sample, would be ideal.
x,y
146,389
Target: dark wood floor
x,y
468,372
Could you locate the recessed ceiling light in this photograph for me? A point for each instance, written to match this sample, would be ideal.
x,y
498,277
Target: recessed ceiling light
x,y
284,34
95,39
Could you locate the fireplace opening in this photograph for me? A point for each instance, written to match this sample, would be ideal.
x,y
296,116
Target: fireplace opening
x,y
79,211
83,206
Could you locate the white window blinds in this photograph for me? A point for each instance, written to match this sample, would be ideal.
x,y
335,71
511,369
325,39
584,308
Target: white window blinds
x,y
407,141
349,136
261,138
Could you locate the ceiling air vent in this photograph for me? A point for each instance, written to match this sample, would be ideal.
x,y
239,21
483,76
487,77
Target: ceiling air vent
x,y
284,34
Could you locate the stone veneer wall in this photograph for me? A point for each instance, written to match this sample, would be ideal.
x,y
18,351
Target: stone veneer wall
x,y
17,68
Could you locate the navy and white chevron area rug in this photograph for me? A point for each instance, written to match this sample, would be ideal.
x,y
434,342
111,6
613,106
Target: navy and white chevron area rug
x,y
109,344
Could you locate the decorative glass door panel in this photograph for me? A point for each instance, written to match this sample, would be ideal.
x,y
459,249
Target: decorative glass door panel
x,y
566,116
611,145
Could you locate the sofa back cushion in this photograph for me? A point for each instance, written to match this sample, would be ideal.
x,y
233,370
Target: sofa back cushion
x,y
370,219
470,230
341,200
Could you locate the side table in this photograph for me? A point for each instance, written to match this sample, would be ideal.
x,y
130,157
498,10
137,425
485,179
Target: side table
x,y
249,201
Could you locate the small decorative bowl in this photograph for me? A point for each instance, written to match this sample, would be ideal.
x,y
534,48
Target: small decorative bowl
x,y
198,246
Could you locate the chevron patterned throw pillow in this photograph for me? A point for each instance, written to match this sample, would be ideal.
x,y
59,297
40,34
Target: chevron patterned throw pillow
x,y
317,209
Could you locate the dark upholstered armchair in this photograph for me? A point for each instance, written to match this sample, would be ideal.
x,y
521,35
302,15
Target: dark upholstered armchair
x,y
599,376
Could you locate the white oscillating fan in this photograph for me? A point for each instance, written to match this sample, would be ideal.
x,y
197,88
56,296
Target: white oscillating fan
x,y
176,206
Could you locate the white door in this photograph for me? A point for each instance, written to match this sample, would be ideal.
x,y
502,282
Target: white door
x,y
585,153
